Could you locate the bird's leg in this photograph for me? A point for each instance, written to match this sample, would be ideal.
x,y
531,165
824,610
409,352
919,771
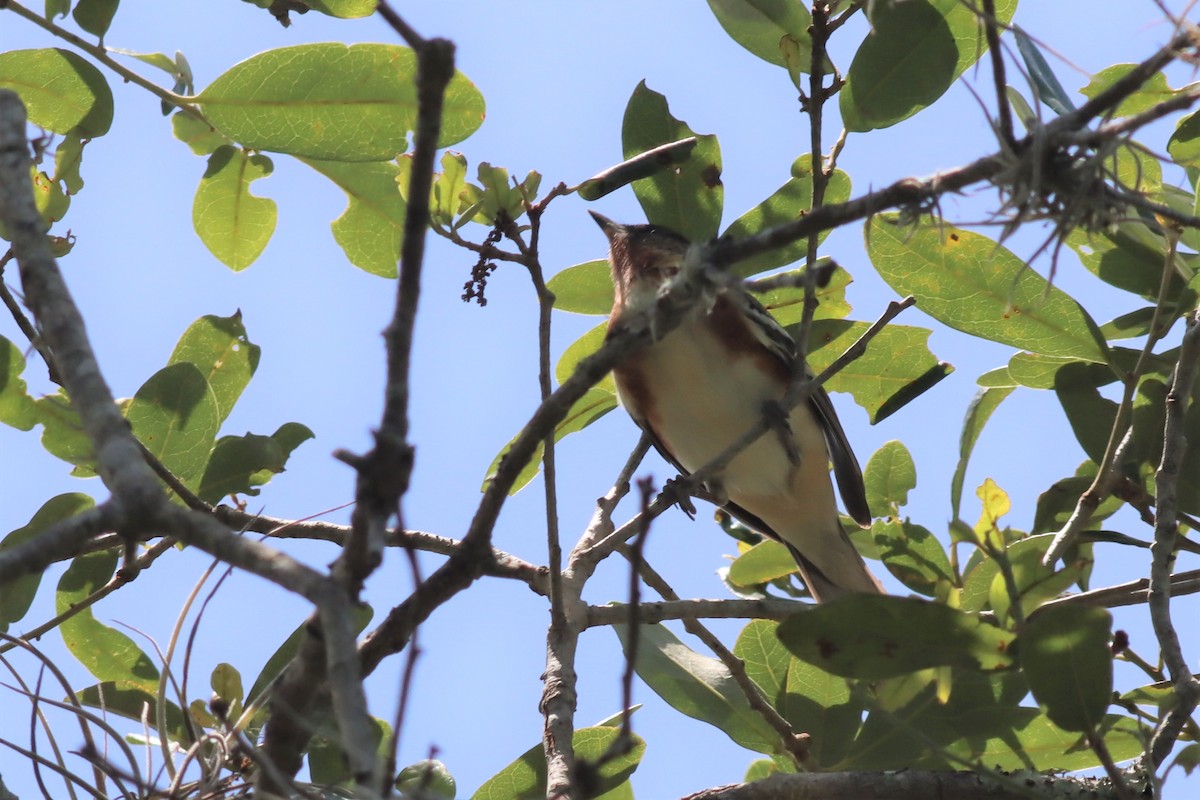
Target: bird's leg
x,y
777,420
677,490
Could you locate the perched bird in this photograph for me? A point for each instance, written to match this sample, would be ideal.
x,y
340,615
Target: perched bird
x,y
706,382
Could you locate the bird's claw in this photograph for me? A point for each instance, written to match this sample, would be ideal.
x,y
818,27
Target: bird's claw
x,y
679,492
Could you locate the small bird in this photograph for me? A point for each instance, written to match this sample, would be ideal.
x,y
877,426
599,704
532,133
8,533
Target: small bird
x,y
708,381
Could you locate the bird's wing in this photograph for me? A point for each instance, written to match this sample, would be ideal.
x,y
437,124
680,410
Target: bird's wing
x,y
772,335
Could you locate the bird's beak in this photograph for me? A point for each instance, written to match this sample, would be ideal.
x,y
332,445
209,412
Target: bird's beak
x,y
609,227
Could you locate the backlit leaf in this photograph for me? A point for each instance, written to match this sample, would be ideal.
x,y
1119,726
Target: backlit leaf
x,y
107,653
234,224
371,228
332,101
977,286
61,90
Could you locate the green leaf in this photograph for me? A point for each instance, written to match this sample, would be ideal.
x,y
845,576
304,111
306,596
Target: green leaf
x,y
766,561
16,406
788,203
580,349
371,228
240,464
525,778
1129,256
332,102
68,156
786,303
224,354
760,25
60,89
688,199
495,193
197,134
17,595
766,659
1064,652
94,16
700,687
234,224
327,762
1149,94
597,402
106,652
62,433
978,414
889,476
1184,144
1046,86
137,703
1035,582
585,288
176,415
975,285
896,368
821,705
881,636
235,461
279,660
913,555
428,778
914,52
344,9
1090,414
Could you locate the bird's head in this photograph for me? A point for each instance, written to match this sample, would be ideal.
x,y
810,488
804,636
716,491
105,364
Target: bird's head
x,y
642,257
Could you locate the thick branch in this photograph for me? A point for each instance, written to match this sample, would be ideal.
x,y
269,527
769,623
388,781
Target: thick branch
x,y
1166,529
904,785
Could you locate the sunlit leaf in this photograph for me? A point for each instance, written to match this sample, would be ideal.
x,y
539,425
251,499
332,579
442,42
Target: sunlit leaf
x,y
889,476
525,778
913,555
1149,94
896,368
789,202
977,286
585,288
786,303
16,406
60,89
332,101
764,562
371,228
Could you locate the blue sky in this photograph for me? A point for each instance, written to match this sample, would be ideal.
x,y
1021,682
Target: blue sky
x,y
556,78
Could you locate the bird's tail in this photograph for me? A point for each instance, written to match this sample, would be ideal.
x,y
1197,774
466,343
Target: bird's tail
x,y
845,572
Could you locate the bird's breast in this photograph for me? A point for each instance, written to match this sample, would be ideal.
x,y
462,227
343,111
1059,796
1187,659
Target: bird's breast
x,y
704,385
